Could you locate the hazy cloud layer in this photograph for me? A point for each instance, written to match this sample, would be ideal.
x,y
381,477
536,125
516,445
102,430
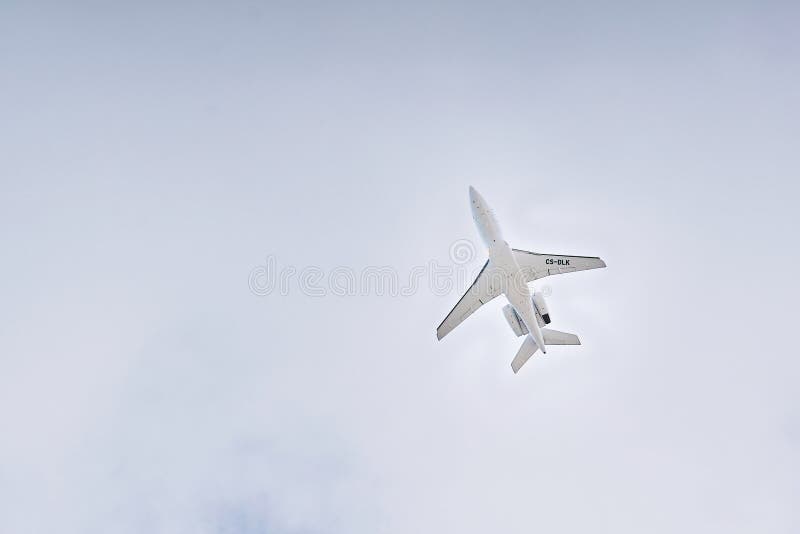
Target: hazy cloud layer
x,y
151,156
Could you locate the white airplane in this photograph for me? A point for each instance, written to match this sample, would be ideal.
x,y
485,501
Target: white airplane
x,y
507,272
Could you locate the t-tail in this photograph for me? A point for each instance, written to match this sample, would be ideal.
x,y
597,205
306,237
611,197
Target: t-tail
x,y
529,346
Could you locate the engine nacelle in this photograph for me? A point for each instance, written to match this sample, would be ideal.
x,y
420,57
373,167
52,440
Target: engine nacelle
x,y
514,320
540,307
516,323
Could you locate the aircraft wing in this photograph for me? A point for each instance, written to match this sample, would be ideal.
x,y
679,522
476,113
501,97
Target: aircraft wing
x,y
483,289
536,265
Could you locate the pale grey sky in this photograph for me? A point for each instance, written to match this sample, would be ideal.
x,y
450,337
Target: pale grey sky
x,y
152,154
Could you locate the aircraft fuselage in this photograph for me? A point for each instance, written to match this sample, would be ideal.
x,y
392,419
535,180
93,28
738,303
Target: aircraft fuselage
x,y
513,282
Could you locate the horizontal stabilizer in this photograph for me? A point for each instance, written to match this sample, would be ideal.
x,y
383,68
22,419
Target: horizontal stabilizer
x,y
524,353
554,337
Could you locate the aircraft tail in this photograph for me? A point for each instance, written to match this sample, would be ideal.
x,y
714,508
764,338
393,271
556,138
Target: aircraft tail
x,y
554,337
529,348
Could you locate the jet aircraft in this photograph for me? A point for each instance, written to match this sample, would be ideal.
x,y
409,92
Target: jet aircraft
x,y
508,272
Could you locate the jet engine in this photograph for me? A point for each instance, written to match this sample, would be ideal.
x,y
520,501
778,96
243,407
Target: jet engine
x,y
515,321
540,307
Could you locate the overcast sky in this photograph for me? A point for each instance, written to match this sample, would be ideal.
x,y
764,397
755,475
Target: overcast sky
x,y
155,155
